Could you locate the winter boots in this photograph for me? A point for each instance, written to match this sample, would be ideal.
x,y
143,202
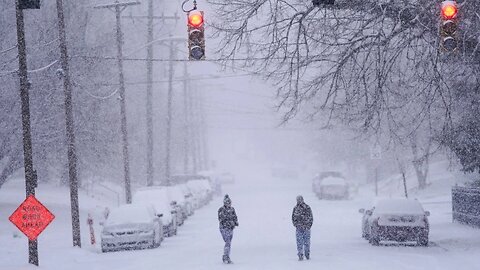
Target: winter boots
x,y
226,259
300,256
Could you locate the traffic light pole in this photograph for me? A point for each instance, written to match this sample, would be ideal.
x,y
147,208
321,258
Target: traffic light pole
x,y
30,176
71,151
118,8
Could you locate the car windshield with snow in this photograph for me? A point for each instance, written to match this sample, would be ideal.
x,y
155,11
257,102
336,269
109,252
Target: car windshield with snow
x,y
398,220
131,227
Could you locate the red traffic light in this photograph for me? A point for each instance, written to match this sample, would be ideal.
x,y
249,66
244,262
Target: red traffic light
x,y
195,18
449,10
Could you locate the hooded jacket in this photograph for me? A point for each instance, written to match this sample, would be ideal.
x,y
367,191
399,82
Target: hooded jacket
x,y
227,217
302,216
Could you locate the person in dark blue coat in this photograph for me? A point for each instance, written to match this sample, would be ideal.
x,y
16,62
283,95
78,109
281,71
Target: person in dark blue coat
x,y
302,219
228,221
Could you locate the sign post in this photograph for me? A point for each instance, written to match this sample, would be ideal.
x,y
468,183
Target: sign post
x,y
376,154
31,218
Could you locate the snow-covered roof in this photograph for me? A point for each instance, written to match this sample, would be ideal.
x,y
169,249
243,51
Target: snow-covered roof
x,y
129,214
398,206
333,181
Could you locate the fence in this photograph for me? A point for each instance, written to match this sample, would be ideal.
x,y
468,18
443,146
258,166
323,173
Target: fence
x,y
466,205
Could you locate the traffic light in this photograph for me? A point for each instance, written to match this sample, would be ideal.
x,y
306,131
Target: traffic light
x,y
449,25
29,4
196,35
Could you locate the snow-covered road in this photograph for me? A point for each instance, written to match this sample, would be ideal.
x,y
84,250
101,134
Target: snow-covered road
x,y
264,239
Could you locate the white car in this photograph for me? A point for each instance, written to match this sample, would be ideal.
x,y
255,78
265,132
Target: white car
x,y
159,198
398,220
201,189
131,227
176,196
189,199
332,187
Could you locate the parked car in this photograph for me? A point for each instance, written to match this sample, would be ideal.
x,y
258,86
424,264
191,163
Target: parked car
x,y
317,180
201,190
131,227
189,199
214,179
332,187
398,220
177,198
158,197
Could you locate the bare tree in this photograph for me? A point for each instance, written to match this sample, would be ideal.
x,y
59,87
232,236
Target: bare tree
x,y
377,66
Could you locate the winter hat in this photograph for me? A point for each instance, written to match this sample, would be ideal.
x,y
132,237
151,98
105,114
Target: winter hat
x,y
227,200
299,199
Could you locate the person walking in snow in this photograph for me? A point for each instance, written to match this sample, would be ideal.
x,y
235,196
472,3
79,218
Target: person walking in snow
x,y
228,221
302,219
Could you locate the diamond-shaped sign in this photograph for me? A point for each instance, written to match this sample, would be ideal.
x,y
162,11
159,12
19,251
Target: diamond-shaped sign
x,y
31,217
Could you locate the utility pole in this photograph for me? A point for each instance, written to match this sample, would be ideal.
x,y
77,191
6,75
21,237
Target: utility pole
x,y
193,130
197,133
30,174
150,95
71,151
151,18
150,29
203,131
118,8
186,145
169,116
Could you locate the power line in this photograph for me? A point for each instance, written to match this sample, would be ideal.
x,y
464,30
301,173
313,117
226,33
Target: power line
x,y
184,60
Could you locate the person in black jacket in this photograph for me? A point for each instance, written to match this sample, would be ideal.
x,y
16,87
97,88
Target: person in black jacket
x,y
228,221
302,219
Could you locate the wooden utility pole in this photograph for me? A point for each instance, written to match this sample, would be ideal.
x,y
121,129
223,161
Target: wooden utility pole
x,y
203,132
149,99
193,131
118,8
186,113
71,150
196,131
30,174
150,95
169,116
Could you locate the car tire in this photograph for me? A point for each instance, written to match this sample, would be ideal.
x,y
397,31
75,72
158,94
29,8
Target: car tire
x,y
422,240
374,240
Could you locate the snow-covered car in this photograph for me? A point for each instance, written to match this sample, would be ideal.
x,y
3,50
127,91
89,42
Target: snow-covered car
x,y
132,227
177,197
397,220
201,190
214,179
332,187
189,199
158,197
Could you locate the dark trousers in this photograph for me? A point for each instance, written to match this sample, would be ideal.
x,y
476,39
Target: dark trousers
x,y
227,235
303,241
